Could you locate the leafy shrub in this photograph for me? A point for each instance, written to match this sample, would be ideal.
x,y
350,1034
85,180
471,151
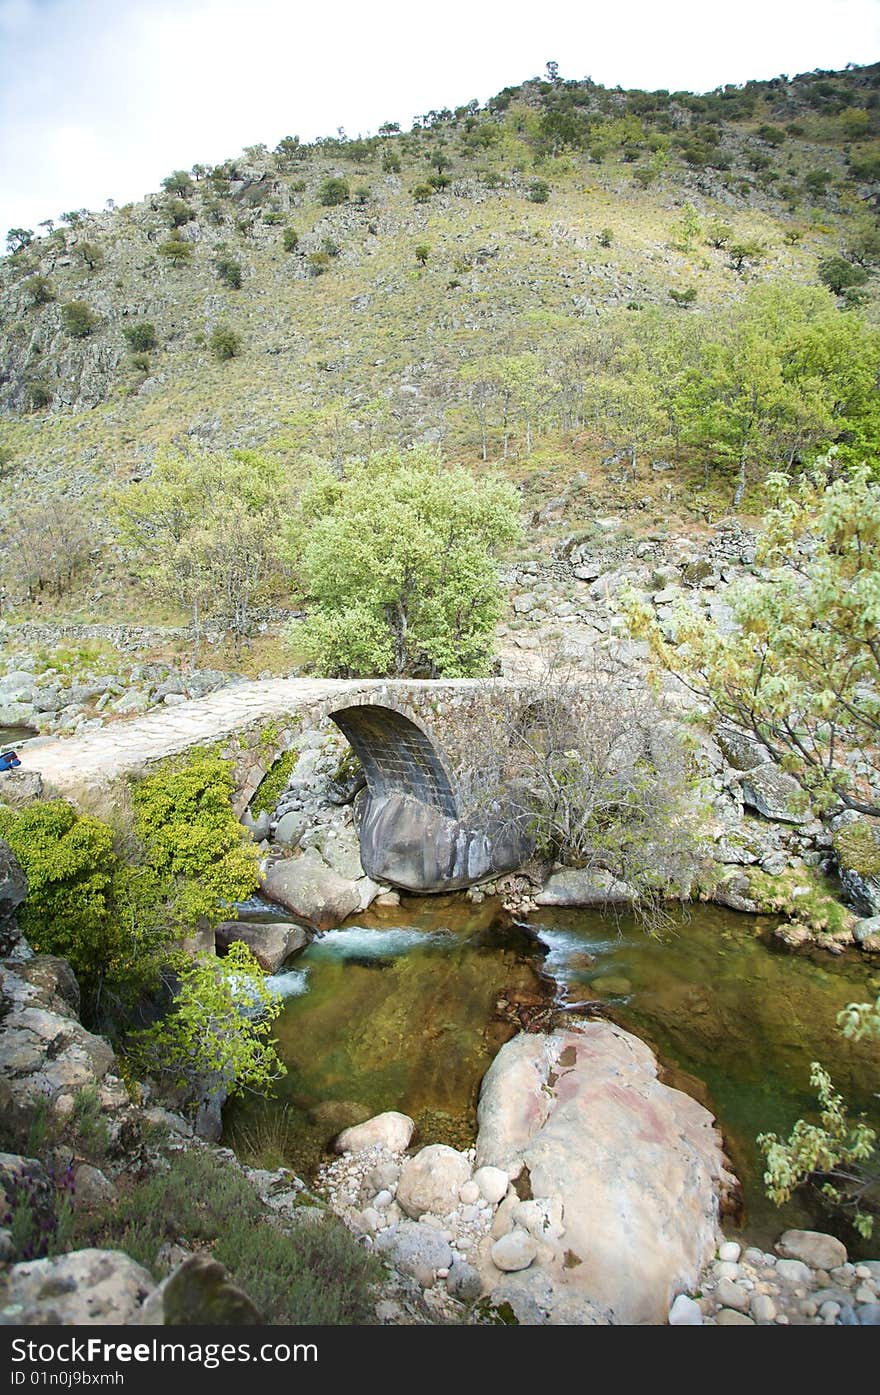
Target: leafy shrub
x,y
605,238
40,289
176,249
229,272
180,183
219,1029
539,191
422,193
141,337
317,263
290,239
333,192
177,212
683,298
224,343
78,318
840,276
39,395
91,254
422,252
273,784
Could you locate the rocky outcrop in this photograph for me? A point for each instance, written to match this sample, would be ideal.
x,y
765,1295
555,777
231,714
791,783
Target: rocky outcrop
x,y
82,1288
774,794
582,886
418,848
13,890
627,1175
46,1055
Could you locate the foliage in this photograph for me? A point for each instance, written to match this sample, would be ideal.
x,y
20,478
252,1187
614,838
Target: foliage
x,y
46,547
205,529
141,337
91,254
78,318
176,249
191,841
422,252
178,212
827,1154
320,1275
40,289
539,191
229,272
179,183
333,192
273,784
839,275
398,561
290,239
224,343
219,1029
79,902
801,674
858,848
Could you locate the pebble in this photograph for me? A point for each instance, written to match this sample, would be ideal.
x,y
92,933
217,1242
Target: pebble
x,y
469,1193
730,1295
727,1269
731,1317
730,1251
762,1308
685,1312
514,1251
864,1294
793,1271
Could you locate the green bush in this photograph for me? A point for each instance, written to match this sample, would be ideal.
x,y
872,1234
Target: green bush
x,y
422,193
224,343
539,191
333,192
290,239
176,250
78,318
273,784
141,337
229,272
840,276
40,289
177,212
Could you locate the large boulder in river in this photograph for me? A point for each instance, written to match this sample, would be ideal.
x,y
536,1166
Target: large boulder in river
x,y
312,891
629,1173
270,944
584,886
390,1130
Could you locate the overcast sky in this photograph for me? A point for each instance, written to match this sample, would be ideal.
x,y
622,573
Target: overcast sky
x,y
102,98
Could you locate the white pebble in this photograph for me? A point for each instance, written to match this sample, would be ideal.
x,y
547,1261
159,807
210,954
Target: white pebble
x,y
469,1193
731,1251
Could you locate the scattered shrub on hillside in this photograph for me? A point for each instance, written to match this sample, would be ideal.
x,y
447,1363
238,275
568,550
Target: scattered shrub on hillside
x,y
539,191
317,263
422,193
79,319
224,343
176,249
605,237
141,337
38,394
177,212
229,272
91,254
840,276
290,239
421,252
683,298
179,183
40,289
333,192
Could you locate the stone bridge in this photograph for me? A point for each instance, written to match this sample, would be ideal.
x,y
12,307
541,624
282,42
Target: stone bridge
x,y
410,736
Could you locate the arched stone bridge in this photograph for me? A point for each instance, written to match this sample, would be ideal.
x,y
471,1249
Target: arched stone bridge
x,y
410,736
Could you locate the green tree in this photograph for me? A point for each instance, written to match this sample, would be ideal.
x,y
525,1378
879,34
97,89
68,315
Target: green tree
x,y
224,343
79,319
176,249
204,530
40,289
333,191
141,337
178,212
802,673
229,272
18,238
179,183
219,1029
422,253
91,254
841,276
290,239
397,560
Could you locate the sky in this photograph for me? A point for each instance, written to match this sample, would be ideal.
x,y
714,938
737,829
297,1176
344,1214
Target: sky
x,y
102,98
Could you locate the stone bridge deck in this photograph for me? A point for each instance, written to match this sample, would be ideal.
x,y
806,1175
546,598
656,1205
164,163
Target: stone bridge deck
x,y
83,768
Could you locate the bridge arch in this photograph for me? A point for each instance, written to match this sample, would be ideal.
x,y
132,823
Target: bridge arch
x,y
398,756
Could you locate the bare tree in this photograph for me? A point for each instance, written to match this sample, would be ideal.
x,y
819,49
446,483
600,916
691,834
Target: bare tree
x,y
594,772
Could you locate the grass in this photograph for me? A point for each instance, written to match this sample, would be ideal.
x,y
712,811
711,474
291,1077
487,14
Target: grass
x,y
317,1275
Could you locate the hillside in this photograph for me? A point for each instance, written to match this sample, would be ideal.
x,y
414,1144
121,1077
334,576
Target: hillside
x,y
460,284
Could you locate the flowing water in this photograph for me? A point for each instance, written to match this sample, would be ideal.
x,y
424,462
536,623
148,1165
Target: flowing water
x,y
405,1009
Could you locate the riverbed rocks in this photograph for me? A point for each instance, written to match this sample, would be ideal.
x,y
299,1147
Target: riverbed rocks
x,y
774,794
431,1181
809,1281
271,944
633,1170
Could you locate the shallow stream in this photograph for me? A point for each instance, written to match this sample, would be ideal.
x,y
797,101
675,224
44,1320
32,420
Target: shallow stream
x,y
405,1008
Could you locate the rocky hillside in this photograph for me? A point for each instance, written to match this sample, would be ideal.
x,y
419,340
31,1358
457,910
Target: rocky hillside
x,y
455,284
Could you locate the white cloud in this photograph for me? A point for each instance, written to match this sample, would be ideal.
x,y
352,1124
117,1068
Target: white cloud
x,y
101,99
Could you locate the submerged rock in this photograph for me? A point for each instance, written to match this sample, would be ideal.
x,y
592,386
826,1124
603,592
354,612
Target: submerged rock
x,y
312,891
271,944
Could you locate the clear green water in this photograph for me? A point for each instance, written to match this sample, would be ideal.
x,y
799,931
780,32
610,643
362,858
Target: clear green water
x,y
406,1008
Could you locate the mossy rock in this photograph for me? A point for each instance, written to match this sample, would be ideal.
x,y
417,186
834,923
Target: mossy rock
x,y
857,846
804,897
